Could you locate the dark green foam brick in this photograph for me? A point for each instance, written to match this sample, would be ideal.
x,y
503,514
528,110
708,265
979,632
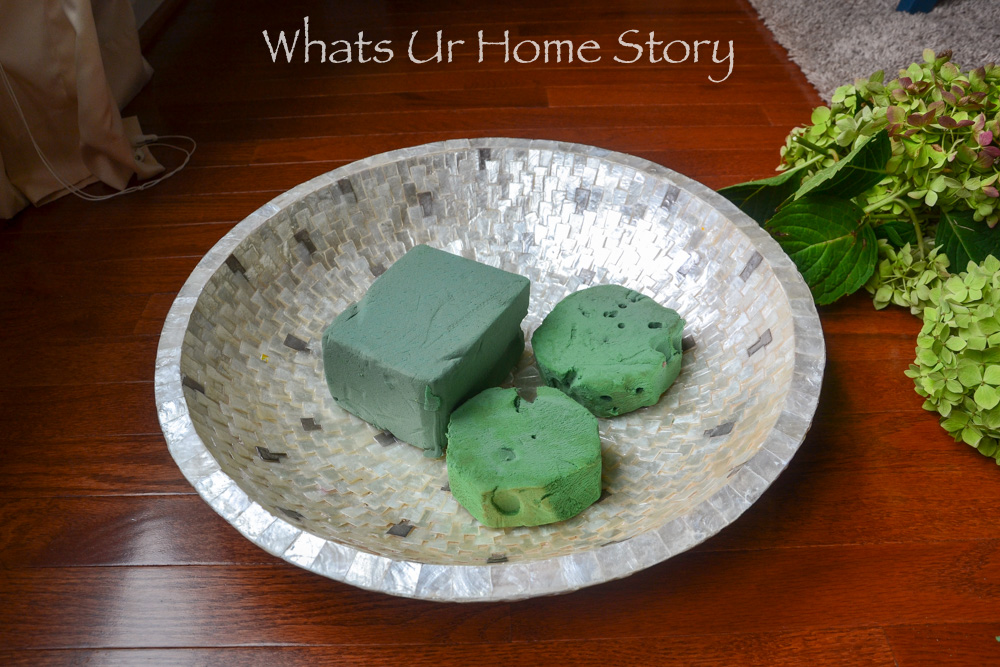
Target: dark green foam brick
x,y
431,331
515,463
610,348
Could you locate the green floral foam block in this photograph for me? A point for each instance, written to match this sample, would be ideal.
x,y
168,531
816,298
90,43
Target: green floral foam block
x,y
431,331
512,462
610,348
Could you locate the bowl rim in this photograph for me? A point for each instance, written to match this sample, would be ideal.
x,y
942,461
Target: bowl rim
x,y
496,581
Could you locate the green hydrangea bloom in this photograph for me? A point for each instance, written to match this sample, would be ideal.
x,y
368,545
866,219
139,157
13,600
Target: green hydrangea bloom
x,y
944,125
905,278
957,365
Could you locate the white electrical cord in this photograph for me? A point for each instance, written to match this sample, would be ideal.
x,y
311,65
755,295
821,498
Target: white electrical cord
x,y
143,140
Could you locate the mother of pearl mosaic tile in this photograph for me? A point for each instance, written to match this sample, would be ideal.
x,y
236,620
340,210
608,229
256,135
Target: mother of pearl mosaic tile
x,y
246,413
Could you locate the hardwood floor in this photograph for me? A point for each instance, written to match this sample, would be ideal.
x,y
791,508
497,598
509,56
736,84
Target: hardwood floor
x,y
878,545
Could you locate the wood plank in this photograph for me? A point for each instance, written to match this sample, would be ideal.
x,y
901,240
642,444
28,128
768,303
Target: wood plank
x,y
855,314
121,530
473,11
112,244
82,279
811,508
39,414
623,139
791,113
84,362
778,649
644,93
343,101
952,644
563,88
89,466
800,589
154,314
887,441
341,149
891,348
141,209
210,606
387,122
886,381
58,318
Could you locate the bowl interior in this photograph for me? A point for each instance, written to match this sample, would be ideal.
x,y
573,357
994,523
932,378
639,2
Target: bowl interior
x,y
253,373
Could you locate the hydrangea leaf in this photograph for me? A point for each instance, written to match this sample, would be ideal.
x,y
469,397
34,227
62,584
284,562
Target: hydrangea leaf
x,y
832,246
986,397
858,171
759,199
897,232
970,375
956,343
963,239
971,435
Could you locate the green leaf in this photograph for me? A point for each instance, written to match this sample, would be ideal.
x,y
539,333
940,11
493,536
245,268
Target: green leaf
x,y
927,357
956,343
986,397
952,425
963,239
971,435
831,246
861,169
977,343
989,448
992,375
759,199
970,375
991,419
820,115
897,232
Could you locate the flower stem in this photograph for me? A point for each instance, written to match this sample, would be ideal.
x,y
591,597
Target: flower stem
x,y
916,228
897,197
894,197
823,152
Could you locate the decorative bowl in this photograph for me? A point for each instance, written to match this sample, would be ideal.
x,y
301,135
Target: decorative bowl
x,y
247,416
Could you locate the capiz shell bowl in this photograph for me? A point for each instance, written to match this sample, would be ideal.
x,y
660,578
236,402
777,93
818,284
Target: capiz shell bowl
x,y
247,416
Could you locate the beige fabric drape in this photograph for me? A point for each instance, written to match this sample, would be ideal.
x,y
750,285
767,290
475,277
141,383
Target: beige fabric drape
x,y
72,65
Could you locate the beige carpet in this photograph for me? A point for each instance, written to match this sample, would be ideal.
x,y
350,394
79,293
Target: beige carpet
x,y
836,42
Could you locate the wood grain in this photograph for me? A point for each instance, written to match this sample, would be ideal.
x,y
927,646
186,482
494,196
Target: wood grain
x,y
778,649
37,415
31,321
876,546
822,587
195,605
951,644
121,530
88,466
